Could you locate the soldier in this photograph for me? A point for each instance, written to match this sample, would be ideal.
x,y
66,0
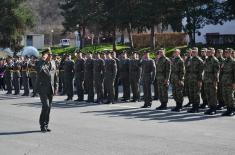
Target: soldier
x,y
219,56
177,80
68,76
148,76
79,76
195,78
8,75
56,78
210,79
46,69
135,72
163,70
187,73
62,88
99,78
89,77
228,82
33,74
124,76
109,77
203,95
117,78
16,74
25,75
155,87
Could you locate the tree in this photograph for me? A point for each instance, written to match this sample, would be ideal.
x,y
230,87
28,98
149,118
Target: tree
x,y
15,18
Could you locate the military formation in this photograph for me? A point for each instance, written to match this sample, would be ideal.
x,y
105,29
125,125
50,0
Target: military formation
x,y
207,75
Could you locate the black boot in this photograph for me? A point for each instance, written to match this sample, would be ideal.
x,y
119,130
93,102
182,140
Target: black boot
x,y
229,112
163,106
194,109
188,105
203,105
211,111
220,106
147,105
178,107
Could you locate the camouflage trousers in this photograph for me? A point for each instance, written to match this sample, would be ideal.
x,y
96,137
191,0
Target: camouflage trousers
x,y
210,91
177,89
162,91
194,92
228,96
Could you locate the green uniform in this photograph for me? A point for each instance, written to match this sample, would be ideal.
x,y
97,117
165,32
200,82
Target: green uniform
x,y
16,76
227,79
99,78
8,77
186,79
109,78
203,94
135,71
195,76
89,79
79,78
163,70
177,80
219,91
68,78
124,77
210,79
33,75
25,77
148,76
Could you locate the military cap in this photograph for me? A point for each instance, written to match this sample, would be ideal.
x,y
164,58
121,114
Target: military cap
x,y
46,51
195,49
188,50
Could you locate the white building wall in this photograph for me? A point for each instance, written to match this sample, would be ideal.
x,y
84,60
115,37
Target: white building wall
x,y
38,41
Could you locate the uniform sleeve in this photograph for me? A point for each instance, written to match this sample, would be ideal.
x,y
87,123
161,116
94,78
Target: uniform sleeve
x,y
181,70
216,70
167,69
200,69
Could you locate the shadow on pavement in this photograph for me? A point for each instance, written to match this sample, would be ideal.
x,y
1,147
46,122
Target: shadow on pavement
x,y
18,133
149,114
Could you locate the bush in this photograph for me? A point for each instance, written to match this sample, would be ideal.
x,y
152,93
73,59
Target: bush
x,y
162,40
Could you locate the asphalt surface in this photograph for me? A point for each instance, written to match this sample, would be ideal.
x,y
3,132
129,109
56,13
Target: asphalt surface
x,y
118,129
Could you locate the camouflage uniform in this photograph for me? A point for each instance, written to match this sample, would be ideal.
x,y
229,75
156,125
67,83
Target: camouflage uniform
x,y
79,78
177,81
163,70
89,79
186,81
98,74
148,76
124,77
195,76
203,94
135,71
109,78
227,80
219,91
210,79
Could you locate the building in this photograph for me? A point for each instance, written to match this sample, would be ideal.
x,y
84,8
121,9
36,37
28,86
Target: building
x,y
35,40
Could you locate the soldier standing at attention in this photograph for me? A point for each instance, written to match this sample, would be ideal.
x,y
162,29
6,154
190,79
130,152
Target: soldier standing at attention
x,y
46,69
219,56
68,77
148,76
203,95
62,88
177,80
33,74
228,82
210,79
25,75
117,78
99,78
195,78
89,77
8,75
135,72
109,77
16,74
163,70
124,76
79,76
187,73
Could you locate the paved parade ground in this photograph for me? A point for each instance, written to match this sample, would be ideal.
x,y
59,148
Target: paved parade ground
x,y
119,129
